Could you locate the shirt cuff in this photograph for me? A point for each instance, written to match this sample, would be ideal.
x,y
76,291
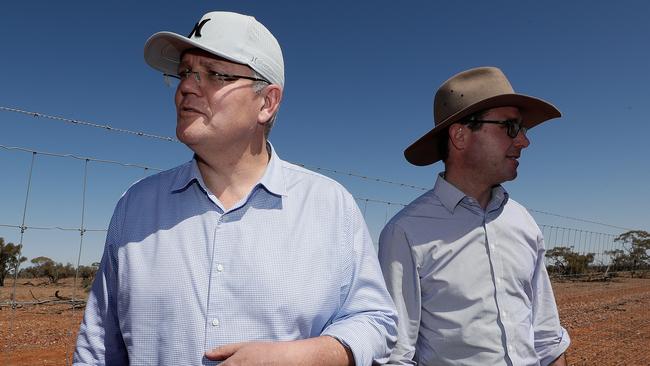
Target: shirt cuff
x,y
358,341
553,353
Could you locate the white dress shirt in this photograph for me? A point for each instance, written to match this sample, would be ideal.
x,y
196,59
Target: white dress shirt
x,y
469,284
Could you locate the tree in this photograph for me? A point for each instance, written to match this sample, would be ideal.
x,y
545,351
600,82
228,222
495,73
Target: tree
x,y
634,255
618,258
566,261
10,259
46,267
87,274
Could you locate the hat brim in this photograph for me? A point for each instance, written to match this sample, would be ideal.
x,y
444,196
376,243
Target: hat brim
x,y
533,110
163,51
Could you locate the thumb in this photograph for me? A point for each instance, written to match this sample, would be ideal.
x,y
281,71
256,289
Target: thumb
x,y
223,352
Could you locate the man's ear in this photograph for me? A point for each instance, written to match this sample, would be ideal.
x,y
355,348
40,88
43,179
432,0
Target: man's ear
x,y
458,134
272,96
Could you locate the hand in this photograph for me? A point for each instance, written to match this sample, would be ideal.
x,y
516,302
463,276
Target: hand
x,y
323,351
252,354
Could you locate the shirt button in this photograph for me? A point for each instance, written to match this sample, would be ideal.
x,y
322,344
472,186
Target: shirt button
x,y
215,322
219,267
499,281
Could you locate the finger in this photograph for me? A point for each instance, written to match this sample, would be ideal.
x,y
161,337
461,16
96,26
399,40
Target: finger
x,y
223,352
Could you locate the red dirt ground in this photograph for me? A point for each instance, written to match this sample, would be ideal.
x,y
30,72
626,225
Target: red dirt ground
x,y
609,322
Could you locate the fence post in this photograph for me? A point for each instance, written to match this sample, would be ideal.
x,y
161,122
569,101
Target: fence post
x,y
22,234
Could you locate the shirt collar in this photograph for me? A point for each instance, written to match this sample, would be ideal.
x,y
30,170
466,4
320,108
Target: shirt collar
x,y
450,196
187,173
272,179
499,198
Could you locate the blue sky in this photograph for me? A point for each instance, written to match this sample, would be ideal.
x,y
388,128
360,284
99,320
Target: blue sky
x,y
360,79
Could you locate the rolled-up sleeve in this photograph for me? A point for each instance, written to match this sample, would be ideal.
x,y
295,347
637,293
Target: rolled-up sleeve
x,y
551,339
366,320
403,282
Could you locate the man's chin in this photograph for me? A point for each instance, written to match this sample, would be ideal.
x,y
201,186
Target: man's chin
x,y
510,176
185,135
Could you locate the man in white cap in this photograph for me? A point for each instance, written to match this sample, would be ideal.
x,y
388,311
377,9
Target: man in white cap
x,y
465,263
236,256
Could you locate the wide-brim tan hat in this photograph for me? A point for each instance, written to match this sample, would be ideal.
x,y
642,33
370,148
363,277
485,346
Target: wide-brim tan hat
x,y
467,93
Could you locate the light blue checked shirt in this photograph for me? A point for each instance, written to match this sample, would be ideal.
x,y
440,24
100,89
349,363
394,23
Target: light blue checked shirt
x,y
469,284
180,275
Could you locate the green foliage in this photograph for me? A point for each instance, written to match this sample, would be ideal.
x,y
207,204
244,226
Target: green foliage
x,y
38,261
634,255
46,267
10,259
87,274
54,271
567,262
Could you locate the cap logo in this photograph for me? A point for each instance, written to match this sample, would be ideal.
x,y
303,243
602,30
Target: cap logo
x,y
196,31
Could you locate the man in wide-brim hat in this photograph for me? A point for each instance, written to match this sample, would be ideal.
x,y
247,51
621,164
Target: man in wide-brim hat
x,y
464,262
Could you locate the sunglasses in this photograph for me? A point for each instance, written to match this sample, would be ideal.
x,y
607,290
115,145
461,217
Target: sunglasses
x,y
513,126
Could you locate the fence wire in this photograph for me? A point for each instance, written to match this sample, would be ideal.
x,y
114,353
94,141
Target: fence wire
x,y
109,128
580,242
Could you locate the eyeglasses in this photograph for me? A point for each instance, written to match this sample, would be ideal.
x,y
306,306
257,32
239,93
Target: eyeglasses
x,y
513,126
212,77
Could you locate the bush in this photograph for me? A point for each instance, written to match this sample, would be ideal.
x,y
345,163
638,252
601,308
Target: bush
x,y
568,262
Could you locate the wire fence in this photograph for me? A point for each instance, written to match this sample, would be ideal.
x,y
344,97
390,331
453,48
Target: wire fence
x,y
579,252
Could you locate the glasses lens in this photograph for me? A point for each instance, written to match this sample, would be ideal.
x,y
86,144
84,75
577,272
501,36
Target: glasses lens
x,y
514,127
170,81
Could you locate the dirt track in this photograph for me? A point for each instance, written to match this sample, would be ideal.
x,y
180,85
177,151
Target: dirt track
x,y
609,323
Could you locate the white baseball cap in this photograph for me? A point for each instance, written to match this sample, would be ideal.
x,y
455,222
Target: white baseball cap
x,y
235,37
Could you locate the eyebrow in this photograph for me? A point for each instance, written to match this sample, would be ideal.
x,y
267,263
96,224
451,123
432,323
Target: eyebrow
x,y
203,63
210,65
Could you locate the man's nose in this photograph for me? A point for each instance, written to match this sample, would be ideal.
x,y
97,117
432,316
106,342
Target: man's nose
x,y
521,140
